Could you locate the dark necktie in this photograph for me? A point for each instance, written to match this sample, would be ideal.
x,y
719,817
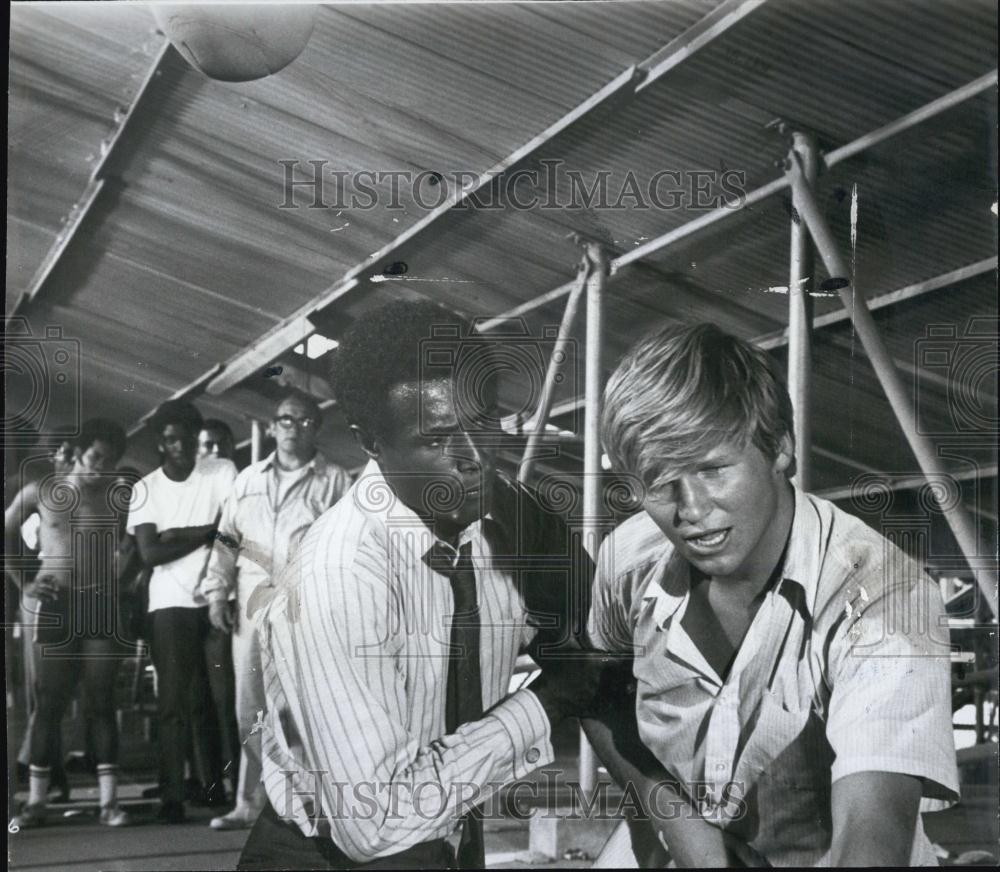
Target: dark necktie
x,y
464,700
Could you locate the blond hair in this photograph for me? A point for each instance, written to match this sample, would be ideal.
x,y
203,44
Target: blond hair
x,y
685,390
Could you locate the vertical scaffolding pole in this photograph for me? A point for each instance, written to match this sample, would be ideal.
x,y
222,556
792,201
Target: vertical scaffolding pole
x,y
596,281
541,416
256,440
885,369
800,285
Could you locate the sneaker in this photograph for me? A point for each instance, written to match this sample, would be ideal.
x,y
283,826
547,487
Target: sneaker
x,y
113,816
171,813
30,816
237,819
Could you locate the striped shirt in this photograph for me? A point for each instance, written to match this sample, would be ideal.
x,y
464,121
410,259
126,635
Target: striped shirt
x,y
264,518
844,669
355,641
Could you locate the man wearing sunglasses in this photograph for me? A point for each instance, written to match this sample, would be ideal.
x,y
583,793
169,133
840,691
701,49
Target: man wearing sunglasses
x,y
271,506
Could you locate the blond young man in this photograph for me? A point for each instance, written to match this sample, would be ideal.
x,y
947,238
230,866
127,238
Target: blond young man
x,y
792,665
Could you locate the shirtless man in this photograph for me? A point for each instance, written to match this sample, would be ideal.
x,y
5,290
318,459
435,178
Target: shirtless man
x,y
76,635
62,462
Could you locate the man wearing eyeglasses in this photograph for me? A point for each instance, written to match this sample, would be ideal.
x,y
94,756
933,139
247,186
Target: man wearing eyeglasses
x,y
272,504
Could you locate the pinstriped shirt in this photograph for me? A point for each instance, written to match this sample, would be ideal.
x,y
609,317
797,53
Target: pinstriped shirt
x,y
355,641
844,669
264,517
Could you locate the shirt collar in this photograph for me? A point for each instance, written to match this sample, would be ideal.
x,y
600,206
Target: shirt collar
x,y
317,464
803,564
372,489
669,587
807,547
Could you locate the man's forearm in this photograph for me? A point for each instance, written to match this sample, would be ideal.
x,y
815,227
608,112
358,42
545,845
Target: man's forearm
x,y
690,839
157,547
874,818
431,786
601,690
157,553
203,534
863,844
13,547
10,549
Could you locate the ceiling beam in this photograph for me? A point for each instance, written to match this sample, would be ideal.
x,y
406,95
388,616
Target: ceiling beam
x,y
183,393
779,338
910,483
843,460
294,376
704,31
866,141
111,147
912,119
628,83
285,336
277,341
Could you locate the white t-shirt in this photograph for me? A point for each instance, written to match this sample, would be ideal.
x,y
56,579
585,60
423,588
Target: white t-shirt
x,y
193,502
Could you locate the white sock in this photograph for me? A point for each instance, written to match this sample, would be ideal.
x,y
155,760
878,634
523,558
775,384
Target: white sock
x,y
107,783
38,784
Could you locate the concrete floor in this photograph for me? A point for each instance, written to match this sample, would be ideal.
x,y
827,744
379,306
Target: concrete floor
x,y
73,840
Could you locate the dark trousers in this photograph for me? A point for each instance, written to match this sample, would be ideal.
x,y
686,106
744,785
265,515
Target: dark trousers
x,y
195,692
276,844
76,643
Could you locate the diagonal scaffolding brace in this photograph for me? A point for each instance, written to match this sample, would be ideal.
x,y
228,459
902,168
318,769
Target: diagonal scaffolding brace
x,y
885,370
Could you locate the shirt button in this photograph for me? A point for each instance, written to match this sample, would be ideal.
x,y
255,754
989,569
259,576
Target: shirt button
x,y
532,755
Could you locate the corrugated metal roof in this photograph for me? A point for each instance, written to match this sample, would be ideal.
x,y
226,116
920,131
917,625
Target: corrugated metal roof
x,y
188,257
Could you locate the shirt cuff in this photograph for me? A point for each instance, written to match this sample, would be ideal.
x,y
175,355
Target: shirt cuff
x,y
523,718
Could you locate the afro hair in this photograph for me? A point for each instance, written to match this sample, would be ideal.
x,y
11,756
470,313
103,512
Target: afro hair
x,y
402,341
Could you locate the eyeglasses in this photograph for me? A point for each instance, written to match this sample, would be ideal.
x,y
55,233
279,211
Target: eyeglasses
x,y
286,422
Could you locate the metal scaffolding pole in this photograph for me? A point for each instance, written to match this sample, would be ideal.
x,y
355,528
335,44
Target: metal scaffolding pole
x,y
541,416
592,528
256,440
885,370
868,140
800,315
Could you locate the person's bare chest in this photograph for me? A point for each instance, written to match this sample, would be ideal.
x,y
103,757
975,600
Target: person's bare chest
x,y
77,516
717,621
